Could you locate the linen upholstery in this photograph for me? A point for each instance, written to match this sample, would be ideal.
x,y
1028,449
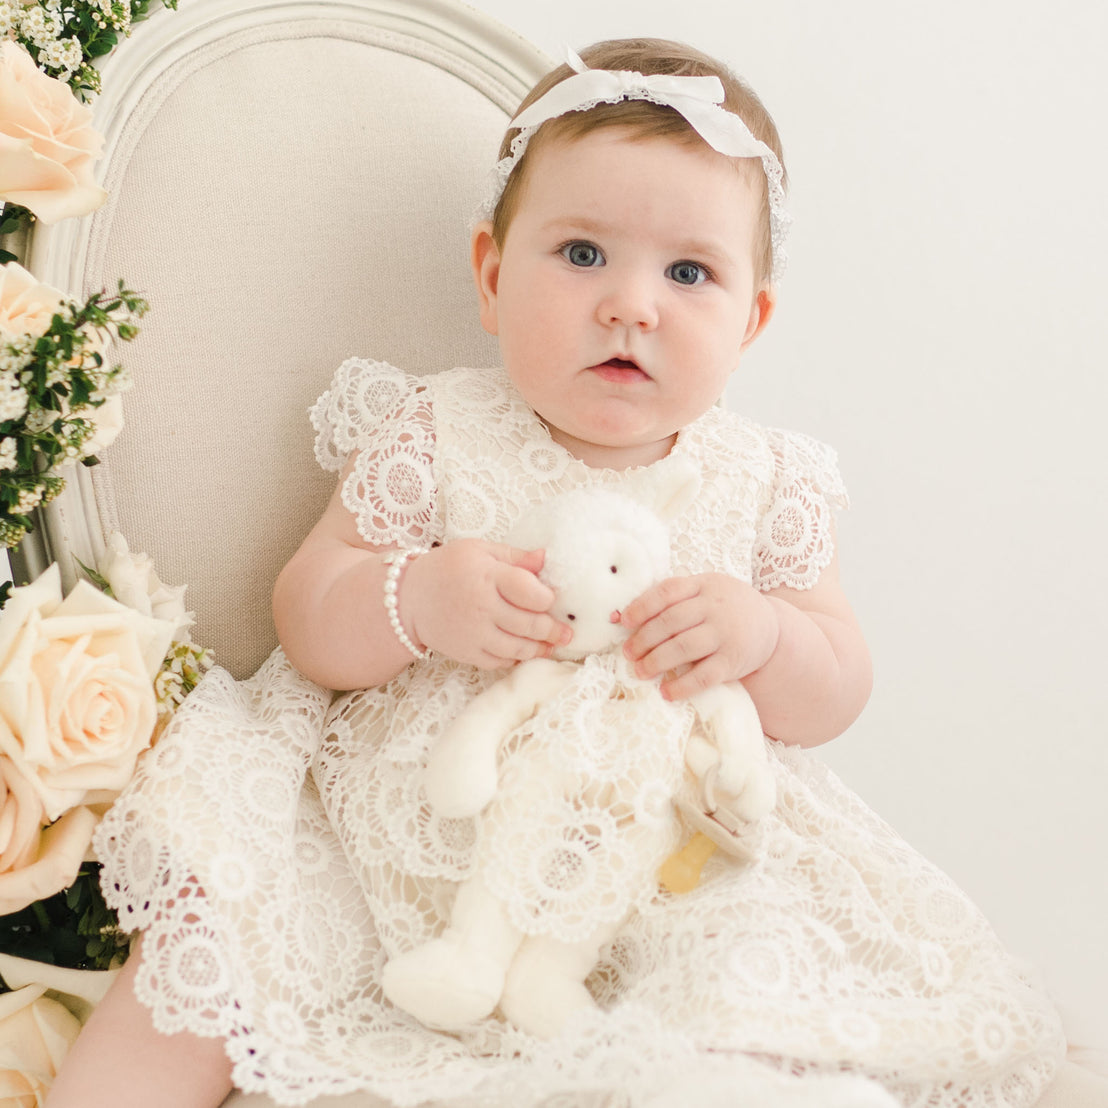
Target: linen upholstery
x,y
285,196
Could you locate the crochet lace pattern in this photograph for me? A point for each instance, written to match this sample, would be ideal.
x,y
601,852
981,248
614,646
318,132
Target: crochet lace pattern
x,y
276,848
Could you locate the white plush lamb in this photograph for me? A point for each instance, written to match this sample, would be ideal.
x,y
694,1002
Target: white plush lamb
x,y
571,766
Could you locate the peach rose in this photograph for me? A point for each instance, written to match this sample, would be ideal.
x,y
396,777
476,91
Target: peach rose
x,y
47,143
36,1031
77,702
35,863
26,306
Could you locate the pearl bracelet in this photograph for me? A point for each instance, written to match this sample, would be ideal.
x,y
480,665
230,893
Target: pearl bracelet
x,y
396,562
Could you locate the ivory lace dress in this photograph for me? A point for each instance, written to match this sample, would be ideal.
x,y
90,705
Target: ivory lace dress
x,y
276,847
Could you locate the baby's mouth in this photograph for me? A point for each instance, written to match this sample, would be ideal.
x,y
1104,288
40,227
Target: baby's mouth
x,y
620,369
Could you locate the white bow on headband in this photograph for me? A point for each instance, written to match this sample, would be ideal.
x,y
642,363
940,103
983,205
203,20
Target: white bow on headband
x,y
696,99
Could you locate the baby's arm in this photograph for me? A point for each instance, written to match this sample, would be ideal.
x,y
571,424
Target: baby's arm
x,y
473,601
800,653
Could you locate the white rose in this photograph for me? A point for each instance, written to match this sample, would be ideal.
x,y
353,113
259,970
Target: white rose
x,y
26,305
77,702
133,582
47,143
35,1034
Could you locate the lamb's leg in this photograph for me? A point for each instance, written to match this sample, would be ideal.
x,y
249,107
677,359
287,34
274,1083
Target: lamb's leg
x,y
546,981
455,980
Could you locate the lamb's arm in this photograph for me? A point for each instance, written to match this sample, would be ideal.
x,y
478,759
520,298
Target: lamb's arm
x,y
461,775
731,723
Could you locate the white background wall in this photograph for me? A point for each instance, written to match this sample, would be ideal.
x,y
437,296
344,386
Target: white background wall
x,y
943,323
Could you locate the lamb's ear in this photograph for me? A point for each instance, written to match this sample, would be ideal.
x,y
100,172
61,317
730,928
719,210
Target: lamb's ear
x,y
668,487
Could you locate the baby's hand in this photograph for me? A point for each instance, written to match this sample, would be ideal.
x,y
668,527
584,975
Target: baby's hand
x,y
481,603
711,628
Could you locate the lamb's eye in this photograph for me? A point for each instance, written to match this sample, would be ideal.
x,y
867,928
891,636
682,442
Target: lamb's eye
x,y
614,569
571,617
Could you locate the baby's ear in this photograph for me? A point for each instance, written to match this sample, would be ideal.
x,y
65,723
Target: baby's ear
x,y
761,312
484,257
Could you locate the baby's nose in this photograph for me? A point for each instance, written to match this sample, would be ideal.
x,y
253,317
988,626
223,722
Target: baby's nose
x,y
630,303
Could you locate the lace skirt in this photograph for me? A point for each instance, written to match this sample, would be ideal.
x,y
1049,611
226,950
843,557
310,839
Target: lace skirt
x,y
839,969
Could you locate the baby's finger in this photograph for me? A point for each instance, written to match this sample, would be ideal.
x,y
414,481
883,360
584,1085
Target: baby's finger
x,y
690,647
511,649
657,599
669,622
523,590
704,675
535,627
530,560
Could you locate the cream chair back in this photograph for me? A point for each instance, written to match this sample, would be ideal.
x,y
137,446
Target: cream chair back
x,y
290,183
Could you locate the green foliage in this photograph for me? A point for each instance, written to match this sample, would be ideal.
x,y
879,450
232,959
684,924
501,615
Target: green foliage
x,y
50,388
73,928
13,217
66,39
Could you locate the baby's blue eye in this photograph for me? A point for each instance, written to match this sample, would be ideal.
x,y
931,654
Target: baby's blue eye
x,y
583,254
687,273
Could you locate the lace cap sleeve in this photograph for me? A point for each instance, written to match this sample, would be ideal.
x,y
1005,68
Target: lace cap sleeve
x,y
795,541
383,418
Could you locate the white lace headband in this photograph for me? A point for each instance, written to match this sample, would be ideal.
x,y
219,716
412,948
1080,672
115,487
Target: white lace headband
x,y
697,99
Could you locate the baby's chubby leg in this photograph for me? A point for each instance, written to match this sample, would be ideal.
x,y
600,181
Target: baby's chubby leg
x,y
120,1061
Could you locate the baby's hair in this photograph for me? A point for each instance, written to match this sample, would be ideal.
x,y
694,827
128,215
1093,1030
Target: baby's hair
x,y
644,119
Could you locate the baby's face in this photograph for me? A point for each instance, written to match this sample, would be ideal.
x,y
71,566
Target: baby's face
x,y
625,291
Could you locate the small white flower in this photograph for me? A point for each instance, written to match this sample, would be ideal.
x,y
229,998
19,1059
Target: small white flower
x,y
16,351
55,376
40,419
7,452
28,500
55,54
39,27
13,398
73,56
169,688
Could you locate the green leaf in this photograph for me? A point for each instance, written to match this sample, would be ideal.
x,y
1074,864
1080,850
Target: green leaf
x,y
103,45
73,928
98,579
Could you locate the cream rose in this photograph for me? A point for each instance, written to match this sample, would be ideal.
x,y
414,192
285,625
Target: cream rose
x,y
77,702
36,862
36,1031
26,306
47,143
107,422
133,582
39,1021
21,820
